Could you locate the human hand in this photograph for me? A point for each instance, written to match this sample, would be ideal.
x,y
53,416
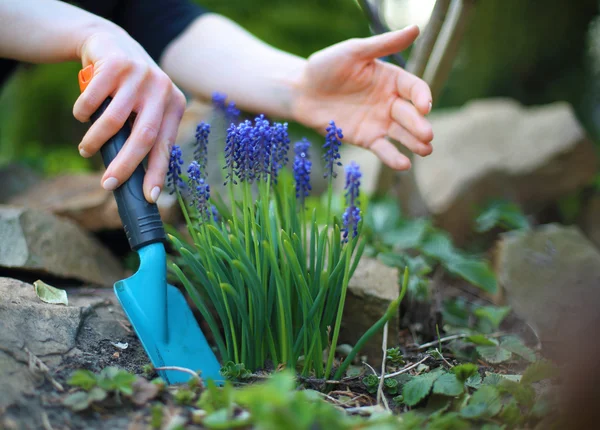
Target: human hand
x,y
125,72
368,98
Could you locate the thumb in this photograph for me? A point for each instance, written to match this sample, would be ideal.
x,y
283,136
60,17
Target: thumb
x,y
388,43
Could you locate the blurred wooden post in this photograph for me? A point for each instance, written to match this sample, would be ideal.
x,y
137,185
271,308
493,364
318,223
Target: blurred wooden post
x,y
432,59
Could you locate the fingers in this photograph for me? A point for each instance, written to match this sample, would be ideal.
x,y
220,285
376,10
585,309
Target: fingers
x,y
158,160
106,79
406,138
389,154
406,115
414,89
109,123
143,137
386,43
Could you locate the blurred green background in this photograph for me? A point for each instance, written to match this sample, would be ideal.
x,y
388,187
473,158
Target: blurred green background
x,y
535,52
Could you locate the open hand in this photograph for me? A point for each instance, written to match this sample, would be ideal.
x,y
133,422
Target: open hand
x,y
366,97
125,72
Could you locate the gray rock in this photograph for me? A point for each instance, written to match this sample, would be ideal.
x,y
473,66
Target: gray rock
x,y
63,338
551,278
40,242
81,198
28,325
493,149
590,220
15,179
370,291
498,149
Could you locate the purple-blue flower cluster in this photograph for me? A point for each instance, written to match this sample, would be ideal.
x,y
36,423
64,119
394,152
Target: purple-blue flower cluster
x,y
255,151
230,111
201,145
351,216
174,174
200,190
302,168
333,140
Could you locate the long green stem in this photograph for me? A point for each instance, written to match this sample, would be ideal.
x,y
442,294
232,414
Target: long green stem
x,y
389,314
338,321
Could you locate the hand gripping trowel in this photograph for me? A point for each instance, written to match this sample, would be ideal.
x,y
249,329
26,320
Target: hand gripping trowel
x,y
158,312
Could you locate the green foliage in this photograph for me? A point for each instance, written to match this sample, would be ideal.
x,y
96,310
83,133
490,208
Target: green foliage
x,y
371,382
110,381
391,237
235,371
503,214
394,357
276,280
419,387
464,371
449,385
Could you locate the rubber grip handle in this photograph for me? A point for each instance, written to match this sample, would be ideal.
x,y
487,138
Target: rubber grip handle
x,y
141,219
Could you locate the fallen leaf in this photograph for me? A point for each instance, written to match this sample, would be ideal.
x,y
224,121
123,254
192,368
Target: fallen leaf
x,y
49,294
120,345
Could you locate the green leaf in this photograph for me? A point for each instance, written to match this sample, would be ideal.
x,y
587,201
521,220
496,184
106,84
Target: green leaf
x,y
477,272
78,401
501,214
409,235
49,294
524,394
511,413
438,245
465,371
473,381
497,378
539,371
493,314
383,216
494,354
390,386
479,339
448,385
419,387
492,426
484,403
97,394
84,379
516,346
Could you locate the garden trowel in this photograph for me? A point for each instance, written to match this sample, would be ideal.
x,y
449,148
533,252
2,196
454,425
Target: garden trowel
x,y
157,311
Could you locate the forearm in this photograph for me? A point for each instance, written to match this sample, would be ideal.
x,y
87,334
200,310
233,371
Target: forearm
x,y
215,54
46,31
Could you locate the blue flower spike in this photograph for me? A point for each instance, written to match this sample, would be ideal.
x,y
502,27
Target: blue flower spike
x,y
200,190
201,145
333,141
351,216
174,180
302,168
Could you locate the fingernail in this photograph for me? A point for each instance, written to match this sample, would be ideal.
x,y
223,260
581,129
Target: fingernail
x,y
110,184
430,106
154,194
84,153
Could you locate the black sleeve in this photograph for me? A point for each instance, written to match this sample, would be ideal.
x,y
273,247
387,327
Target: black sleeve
x,y
153,23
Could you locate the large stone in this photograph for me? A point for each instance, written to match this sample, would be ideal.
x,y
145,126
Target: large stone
x,y
551,278
81,198
372,288
590,220
40,242
16,179
61,338
498,149
29,325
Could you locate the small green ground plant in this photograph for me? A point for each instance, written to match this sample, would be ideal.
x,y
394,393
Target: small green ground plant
x,y
276,279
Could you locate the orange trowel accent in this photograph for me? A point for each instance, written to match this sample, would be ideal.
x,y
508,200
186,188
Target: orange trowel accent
x,y
85,77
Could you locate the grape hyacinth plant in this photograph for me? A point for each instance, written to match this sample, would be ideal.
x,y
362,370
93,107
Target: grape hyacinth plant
x,y
270,285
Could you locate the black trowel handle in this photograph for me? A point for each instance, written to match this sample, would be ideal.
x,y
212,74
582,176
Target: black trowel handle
x,y
141,220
